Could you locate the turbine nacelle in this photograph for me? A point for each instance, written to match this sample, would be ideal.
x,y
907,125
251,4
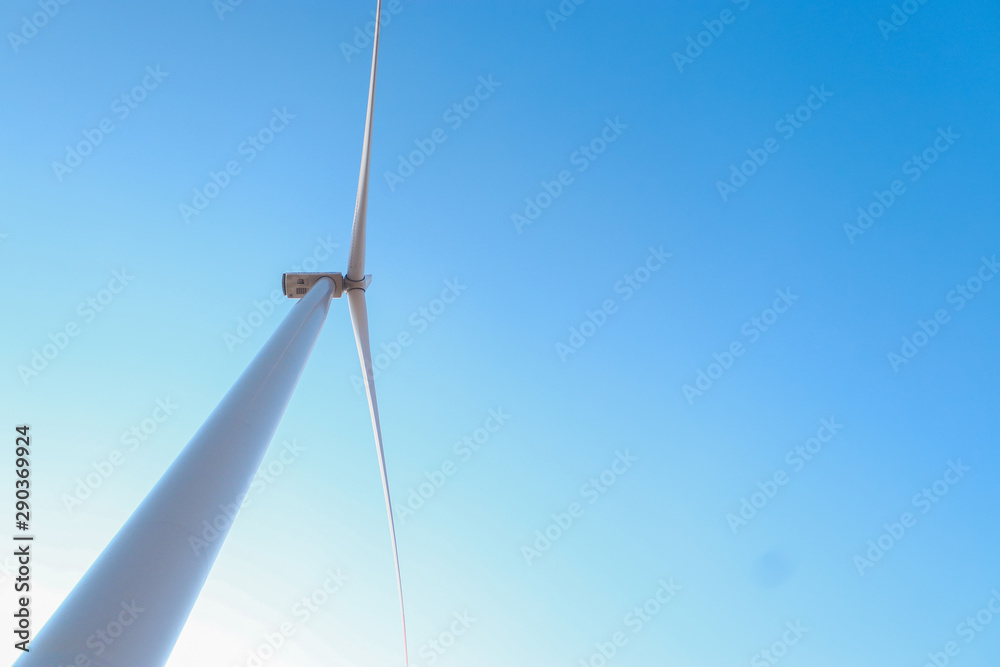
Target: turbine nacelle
x,y
297,285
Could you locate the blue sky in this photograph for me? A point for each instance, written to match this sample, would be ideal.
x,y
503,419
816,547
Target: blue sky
x,y
869,100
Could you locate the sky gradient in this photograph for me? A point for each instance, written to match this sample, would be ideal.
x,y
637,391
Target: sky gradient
x,y
704,290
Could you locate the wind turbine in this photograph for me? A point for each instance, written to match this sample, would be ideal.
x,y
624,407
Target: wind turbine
x,y
130,607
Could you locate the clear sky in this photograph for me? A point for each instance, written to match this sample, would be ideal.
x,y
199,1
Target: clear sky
x,y
739,254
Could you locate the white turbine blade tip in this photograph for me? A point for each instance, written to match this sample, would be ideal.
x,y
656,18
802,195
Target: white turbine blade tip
x,y
359,318
356,258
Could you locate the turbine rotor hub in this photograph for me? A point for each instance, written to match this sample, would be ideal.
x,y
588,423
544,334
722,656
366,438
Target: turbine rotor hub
x,y
357,284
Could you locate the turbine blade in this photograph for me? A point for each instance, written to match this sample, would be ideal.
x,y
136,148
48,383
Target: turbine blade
x,y
359,318
356,259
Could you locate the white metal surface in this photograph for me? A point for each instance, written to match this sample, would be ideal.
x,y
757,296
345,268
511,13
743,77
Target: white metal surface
x,y
359,318
355,283
160,559
356,258
297,285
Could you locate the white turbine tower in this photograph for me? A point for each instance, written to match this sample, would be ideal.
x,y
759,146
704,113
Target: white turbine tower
x,y
144,584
